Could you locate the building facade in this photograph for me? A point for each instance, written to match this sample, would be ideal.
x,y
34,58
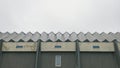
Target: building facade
x,y
20,50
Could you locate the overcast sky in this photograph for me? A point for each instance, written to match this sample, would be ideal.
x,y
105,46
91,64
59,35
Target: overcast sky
x,y
60,16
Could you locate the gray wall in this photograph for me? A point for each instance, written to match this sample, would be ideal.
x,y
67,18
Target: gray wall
x,y
48,60
18,60
98,60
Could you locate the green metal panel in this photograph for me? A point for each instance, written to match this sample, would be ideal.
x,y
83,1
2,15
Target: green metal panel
x,y
98,60
18,60
67,60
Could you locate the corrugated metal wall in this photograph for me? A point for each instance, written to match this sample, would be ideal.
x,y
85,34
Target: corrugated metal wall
x,y
98,60
88,60
67,60
46,59
18,60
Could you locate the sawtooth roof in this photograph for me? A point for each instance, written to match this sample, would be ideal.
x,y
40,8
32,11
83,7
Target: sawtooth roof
x,y
25,37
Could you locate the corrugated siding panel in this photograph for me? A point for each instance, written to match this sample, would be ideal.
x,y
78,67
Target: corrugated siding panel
x,y
18,60
10,37
117,36
104,35
27,37
19,37
35,37
44,36
73,36
111,36
67,60
60,36
66,36
89,36
98,37
52,36
81,37
1,34
98,60
5,35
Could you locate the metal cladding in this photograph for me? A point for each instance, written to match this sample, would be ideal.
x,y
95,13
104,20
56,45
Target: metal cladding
x,y
62,37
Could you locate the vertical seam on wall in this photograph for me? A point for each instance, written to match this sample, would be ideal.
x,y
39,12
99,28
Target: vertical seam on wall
x,y
78,54
117,53
1,41
37,54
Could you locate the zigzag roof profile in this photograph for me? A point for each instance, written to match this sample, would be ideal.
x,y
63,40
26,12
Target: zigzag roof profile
x,y
63,37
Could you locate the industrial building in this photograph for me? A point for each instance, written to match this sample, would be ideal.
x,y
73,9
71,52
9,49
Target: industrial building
x,y
59,50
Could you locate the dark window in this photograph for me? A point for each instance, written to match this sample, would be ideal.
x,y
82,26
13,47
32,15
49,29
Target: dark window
x,y
57,46
95,46
18,46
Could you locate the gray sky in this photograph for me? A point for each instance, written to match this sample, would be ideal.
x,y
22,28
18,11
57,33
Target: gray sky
x,y
60,15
